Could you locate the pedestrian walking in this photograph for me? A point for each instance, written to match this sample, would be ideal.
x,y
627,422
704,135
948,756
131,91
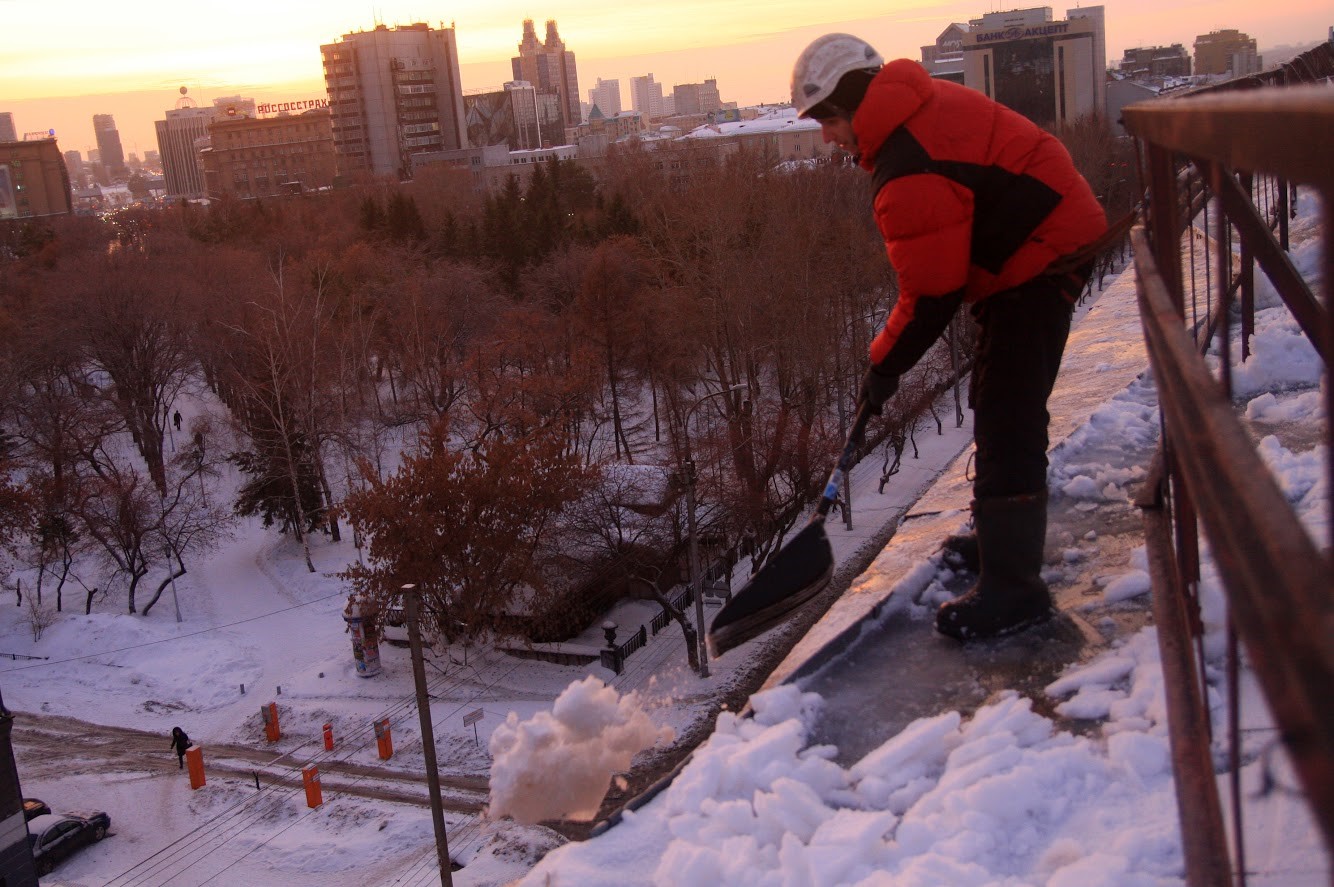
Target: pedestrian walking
x,y
978,206
176,419
179,743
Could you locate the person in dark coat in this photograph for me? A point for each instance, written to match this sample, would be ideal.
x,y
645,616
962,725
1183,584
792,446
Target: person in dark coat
x,y
179,743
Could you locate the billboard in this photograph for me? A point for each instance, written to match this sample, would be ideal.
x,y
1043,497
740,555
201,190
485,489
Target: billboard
x,y
489,119
8,209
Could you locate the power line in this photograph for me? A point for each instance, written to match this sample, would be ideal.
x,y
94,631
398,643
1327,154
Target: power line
x,y
244,818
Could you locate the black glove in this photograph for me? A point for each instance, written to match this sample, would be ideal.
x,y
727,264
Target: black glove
x,y
877,387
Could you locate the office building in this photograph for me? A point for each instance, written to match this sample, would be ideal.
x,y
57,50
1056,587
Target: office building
x,y
511,117
696,98
944,58
1226,52
646,97
550,68
598,133
1155,62
109,150
179,138
74,168
606,97
393,92
33,180
248,157
1051,71
8,131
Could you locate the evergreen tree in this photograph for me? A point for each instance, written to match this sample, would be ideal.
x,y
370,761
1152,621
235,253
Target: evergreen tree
x,y
372,218
402,219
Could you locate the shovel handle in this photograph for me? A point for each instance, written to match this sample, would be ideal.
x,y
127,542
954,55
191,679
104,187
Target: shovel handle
x,y
844,464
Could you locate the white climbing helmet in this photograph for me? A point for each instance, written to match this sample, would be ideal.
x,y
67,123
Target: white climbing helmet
x,y
822,64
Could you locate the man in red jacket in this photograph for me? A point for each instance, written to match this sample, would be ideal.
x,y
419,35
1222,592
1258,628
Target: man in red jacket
x,y
976,205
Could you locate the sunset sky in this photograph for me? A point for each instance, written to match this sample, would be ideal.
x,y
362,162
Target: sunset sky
x,y
62,62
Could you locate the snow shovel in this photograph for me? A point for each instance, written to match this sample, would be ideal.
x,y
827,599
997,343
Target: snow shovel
x,y
799,571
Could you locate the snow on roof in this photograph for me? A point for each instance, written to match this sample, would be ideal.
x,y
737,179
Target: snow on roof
x,y
779,120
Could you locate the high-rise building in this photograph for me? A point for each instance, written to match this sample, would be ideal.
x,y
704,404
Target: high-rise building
x,y
511,117
8,132
1226,52
393,92
1053,72
696,98
550,67
179,139
108,145
606,97
646,97
74,168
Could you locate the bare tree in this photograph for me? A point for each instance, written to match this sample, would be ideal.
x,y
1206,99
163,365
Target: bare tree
x,y
132,336
273,376
119,511
609,314
188,525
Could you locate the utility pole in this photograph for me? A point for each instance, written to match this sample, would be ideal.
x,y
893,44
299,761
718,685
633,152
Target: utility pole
x,y
428,736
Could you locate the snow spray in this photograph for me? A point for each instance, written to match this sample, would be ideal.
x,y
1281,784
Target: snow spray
x,y
558,764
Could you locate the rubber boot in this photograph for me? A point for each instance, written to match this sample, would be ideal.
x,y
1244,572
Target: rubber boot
x,y
1010,594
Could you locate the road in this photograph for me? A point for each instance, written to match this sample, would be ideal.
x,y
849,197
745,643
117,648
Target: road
x,y
96,748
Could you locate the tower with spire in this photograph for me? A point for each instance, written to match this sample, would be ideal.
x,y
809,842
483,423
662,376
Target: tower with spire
x,y
550,68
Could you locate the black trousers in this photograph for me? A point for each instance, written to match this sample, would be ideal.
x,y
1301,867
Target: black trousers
x,y
1022,337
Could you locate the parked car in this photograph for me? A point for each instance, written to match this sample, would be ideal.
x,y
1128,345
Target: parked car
x,y
33,807
55,836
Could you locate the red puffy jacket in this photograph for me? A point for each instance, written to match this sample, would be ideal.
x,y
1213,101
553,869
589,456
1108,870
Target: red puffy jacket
x,y
971,196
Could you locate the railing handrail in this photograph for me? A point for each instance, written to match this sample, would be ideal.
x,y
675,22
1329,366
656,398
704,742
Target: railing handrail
x,y
1282,130
1275,577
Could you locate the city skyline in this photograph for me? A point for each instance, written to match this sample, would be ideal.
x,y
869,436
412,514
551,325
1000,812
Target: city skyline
x,y
83,58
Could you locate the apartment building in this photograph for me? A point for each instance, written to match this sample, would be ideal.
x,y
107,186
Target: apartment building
x,y
393,93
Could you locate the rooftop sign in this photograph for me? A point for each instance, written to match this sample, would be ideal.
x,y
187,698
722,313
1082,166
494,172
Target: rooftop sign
x,y
1051,29
280,107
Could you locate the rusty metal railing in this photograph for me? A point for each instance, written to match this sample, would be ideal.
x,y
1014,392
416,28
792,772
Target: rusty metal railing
x,y
1222,149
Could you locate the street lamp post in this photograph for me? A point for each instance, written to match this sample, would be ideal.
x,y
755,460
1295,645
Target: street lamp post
x,y
695,584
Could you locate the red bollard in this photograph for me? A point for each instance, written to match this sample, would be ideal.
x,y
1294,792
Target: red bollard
x,y
328,737
270,714
194,764
310,776
384,740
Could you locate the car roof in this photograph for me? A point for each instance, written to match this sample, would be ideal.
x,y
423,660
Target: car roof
x,y
39,824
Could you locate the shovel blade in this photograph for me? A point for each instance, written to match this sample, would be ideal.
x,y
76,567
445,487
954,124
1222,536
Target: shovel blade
x,y
798,573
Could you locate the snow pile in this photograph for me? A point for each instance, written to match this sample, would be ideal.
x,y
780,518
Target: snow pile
x,y
944,802
558,764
